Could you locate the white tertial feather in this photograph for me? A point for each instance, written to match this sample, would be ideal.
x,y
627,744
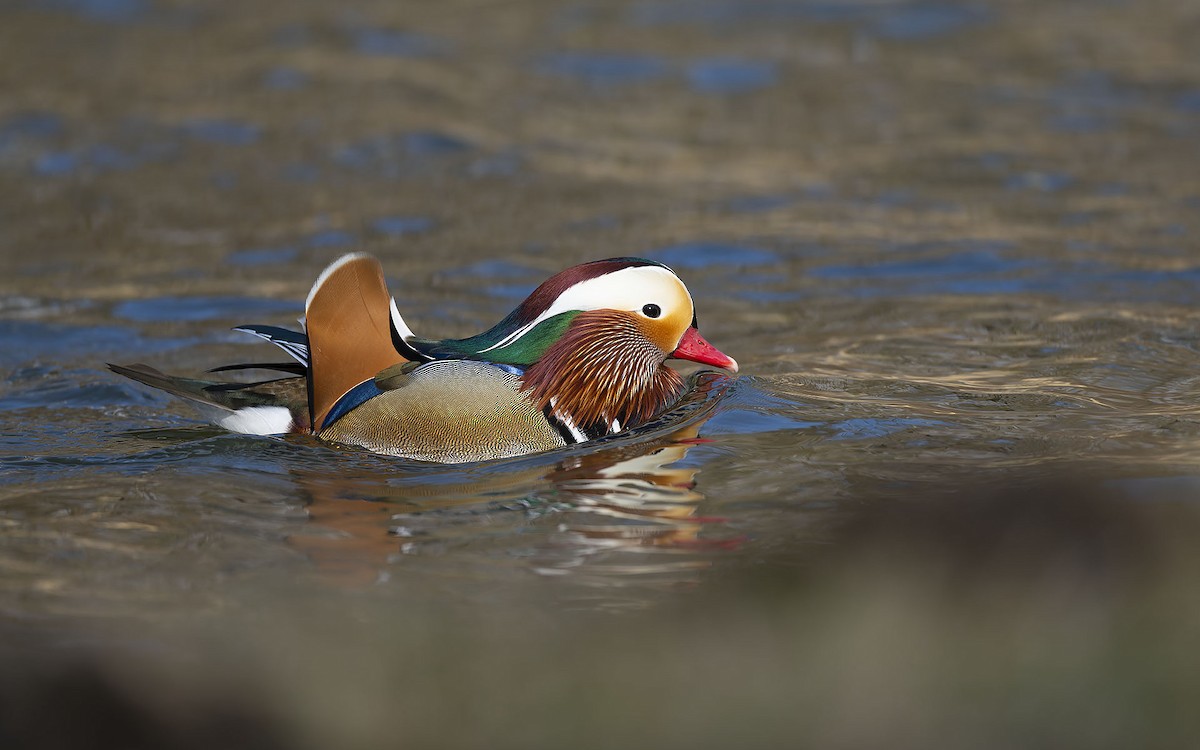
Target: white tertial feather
x,y
295,350
399,325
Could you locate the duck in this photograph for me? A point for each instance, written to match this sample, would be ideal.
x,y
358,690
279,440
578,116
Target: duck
x,y
581,358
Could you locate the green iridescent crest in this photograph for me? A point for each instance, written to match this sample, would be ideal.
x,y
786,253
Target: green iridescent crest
x,y
522,351
530,346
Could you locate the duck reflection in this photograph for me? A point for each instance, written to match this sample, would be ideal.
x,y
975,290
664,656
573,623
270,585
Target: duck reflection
x,y
626,508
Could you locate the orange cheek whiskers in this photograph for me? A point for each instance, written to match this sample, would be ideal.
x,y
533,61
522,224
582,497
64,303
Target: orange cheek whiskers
x,y
603,369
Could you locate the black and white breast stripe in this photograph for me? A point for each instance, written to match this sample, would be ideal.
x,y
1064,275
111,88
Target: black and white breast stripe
x,y
574,434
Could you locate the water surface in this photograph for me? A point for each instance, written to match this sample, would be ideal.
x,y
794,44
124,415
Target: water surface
x,y
952,245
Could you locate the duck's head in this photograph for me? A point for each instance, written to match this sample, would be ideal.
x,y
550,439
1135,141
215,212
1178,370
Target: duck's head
x,y
636,301
594,339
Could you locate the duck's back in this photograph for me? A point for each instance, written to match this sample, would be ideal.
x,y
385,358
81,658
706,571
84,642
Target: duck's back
x,y
451,411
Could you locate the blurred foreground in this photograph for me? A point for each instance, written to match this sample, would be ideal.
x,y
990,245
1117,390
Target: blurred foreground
x,y
1040,615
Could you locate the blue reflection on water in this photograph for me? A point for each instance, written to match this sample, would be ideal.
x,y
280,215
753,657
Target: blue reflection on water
x,y
978,271
398,226
498,278
757,203
1189,102
705,254
603,69
394,154
101,157
754,408
708,75
191,309
899,21
104,156
495,268
331,238
432,143
29,126
768,296
727,12
989,268
745,422
285,79
730,76
395,43
922,21
61,389
1042,182
262,256
27,341
56,163
1080,122
108,11
223,132
986,260
35,136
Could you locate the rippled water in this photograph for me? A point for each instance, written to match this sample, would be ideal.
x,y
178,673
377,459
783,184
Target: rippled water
x,y
951,244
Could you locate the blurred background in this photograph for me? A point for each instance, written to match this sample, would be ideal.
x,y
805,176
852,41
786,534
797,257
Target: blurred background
x,y
951,499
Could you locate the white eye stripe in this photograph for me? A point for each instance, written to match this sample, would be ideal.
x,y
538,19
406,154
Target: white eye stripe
x,y
627,289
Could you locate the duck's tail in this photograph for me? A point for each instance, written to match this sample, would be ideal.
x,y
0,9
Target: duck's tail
x,y
269,407
352,332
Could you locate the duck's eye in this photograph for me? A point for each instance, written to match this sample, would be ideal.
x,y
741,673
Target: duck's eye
x,y
651,310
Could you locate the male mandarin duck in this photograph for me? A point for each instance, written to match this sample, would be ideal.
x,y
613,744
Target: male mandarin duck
x,y
582,357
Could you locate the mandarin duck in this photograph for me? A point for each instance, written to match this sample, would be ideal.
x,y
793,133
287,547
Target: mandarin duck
x,y
581,358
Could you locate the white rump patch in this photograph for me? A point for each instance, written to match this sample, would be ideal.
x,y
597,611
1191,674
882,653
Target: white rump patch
x,y
252,420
